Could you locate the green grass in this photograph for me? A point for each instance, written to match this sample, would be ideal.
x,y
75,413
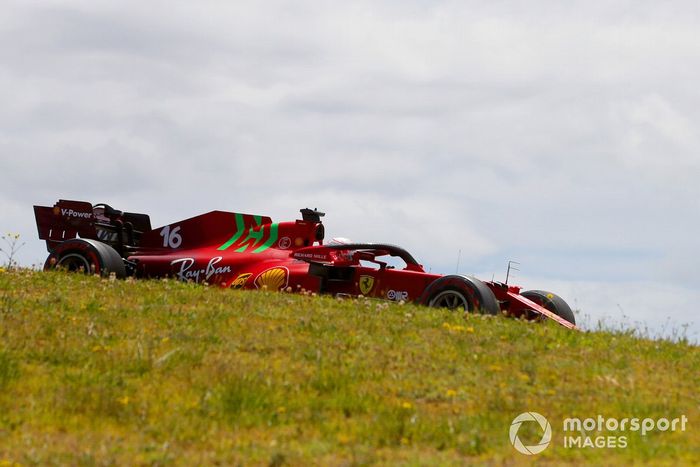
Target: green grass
x,y
99,372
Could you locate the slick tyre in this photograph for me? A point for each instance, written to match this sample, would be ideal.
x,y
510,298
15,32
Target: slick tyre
x,y
86,256
461,293
552,302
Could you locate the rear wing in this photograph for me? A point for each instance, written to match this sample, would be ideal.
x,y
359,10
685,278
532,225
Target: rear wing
x,y
70,219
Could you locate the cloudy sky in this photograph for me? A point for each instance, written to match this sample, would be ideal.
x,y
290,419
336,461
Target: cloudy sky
x,y
563,135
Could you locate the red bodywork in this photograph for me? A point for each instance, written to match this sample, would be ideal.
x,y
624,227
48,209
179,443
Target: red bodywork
x,y
246,251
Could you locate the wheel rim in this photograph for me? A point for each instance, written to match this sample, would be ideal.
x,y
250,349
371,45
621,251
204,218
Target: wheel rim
x,y
450,299
74,262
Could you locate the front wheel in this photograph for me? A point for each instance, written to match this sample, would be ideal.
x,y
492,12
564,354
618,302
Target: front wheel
x,y
450,299
461,293
552,302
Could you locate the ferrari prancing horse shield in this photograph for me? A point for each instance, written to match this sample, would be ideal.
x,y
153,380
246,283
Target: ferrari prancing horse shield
x,y
366,284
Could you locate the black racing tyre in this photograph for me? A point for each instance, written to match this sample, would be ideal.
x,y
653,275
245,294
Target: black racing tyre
x,y
461,292
86,256
552,302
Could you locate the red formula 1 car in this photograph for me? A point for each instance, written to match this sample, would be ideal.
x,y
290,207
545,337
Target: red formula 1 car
x,y
245,251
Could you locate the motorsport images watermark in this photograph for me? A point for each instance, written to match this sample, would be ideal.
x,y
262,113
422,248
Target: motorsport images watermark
x,y
607,431
546,433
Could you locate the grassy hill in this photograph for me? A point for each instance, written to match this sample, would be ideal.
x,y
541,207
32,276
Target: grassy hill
x,y
96,372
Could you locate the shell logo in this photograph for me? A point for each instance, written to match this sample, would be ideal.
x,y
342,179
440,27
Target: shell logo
x,y
273,279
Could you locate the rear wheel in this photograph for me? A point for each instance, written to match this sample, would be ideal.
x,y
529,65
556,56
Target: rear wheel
x,y
86,256
552,302
74,262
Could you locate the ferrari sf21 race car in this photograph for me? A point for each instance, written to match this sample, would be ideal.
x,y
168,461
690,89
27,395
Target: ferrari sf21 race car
x,y
244,251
